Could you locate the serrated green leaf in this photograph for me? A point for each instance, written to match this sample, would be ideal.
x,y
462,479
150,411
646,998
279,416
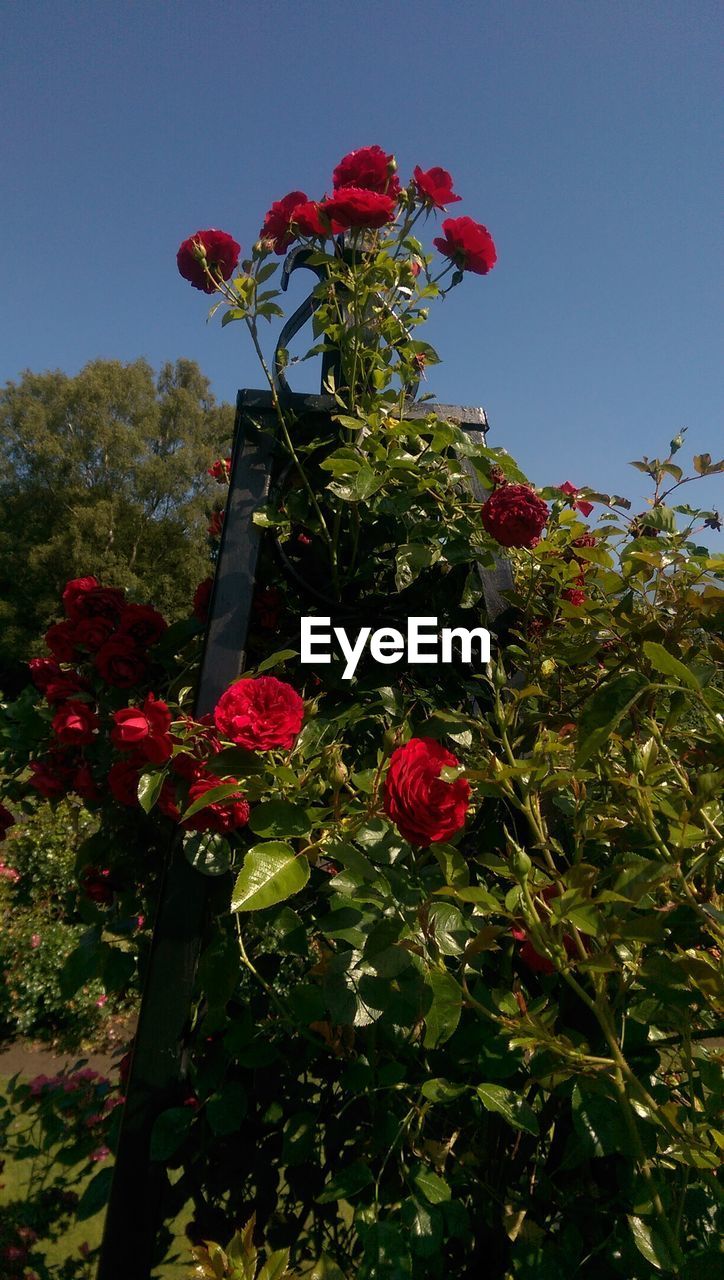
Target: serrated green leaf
x,y
208,852
443,1015
149,789
271,873
279,818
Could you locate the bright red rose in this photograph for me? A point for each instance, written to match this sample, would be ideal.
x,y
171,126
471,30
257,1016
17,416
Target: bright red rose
x,y
75,724
97,884
6,821
260,714
72,593
278,222
143,624
84,784
60,639
585,508
514,515
66,685
434,187
144,728
223,815
469,244
308,221
355,207
220,470
91,633
370,169
119,662
422,806
99,602
43,671
123,779
202,599
207,253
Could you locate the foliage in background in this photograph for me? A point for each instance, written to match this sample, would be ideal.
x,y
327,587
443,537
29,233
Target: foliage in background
x,y
103,473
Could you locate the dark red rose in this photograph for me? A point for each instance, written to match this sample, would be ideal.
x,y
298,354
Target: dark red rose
x,y
574,596
268,605
97,884
145,729
66,685
434,187
514,515
143,624
119,662
123,779
75,724
223,815
84,784
533,959
99,602
422,806
355,207
278,222
260,714
469,244
6,821
370,169
43,671
585,508
202,599
167,801
216,524
48,779
91,633
198,743
72,593
220,470
208,253
60,639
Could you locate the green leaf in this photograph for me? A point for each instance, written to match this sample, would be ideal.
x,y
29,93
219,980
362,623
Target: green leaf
x,y
434,1188
442,1091
277,660
95,1195
276,1266
605,709
443,1015
223,792
149,789
668,665
411,559
651,1246
82,964
348,1182
271,873
226,1110
169,1131
208,852
509,1105
386,1255
279,818
234,313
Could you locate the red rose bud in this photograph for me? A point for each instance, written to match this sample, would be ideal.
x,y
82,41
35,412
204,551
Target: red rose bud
x,y
72,593
209,253
434,187
278,228
223,815
143,624
585,508
75,724
144,728
469,244
423,807
119,662
356,207
370,169
260,714
202,599
514,515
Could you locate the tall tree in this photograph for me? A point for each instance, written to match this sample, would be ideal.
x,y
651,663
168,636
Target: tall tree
x,y
104,473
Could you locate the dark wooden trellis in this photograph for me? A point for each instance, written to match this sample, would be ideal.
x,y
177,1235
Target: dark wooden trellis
x,y
186,896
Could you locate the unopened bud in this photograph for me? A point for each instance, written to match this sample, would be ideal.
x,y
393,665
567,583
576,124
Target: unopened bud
x,y
547,667
198,249
520,863
392,165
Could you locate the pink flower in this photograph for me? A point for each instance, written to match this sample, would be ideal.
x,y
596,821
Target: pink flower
x,y
102,1153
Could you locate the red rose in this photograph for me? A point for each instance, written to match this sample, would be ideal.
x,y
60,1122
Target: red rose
x,y
66,685
202,599
198,743
123,780
167,802
6,821
60,639
536,962
309,222
422,806
119,662
223,815
574,597
585,508
145,728
72,593
75,724
355,207
43,671
278,222
514,515
220,469
143,624
469,244
216,524
370,169
209,253
260,714
50,780
96,883
99,602
84,784
268,605
91,633
434,187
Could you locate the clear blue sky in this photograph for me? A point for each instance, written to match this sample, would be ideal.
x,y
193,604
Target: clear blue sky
x,y
583,135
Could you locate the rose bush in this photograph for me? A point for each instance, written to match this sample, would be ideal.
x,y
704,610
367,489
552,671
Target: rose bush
x,y
458,1003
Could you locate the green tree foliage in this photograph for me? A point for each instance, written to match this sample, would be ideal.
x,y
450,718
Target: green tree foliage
x,y
103,473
